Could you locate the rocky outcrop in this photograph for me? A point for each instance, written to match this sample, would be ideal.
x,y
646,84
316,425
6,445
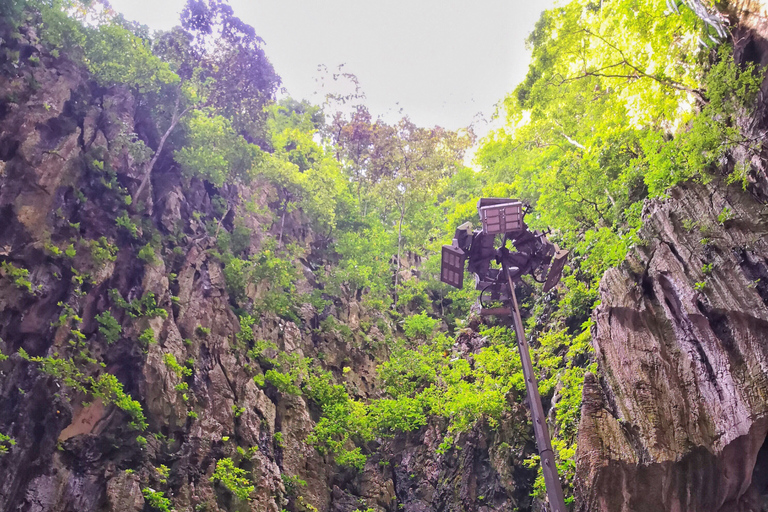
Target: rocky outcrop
x,y
679,417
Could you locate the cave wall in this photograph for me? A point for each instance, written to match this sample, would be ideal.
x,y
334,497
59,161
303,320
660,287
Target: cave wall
x,y
680,412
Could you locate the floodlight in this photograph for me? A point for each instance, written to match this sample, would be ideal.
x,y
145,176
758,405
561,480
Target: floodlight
x,y
452,265
501,218
532,252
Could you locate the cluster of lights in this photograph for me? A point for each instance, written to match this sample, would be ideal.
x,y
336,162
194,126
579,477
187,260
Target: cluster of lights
x,y
498,216
504,216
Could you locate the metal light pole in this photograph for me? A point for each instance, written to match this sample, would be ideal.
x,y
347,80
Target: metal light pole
x,y
540,430
533,252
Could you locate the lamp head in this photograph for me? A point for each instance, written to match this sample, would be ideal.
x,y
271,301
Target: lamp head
x,y
452,265
500,215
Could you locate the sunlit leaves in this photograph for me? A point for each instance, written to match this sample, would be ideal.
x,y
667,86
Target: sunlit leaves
x,y
215,152
116,56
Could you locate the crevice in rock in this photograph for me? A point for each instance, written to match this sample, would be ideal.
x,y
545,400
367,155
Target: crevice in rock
x,y
756,271
8,149
684,328
676,254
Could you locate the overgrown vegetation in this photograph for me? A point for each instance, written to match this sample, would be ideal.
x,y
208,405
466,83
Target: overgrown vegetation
x,y
621,102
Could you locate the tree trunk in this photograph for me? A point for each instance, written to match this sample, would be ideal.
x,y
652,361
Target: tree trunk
x,y
399,246
151,164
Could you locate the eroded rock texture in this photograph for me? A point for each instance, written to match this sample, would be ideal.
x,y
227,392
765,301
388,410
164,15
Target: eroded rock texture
x,y
679,419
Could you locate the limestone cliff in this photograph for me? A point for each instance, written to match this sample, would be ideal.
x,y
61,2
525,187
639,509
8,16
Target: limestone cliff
x,y
70,254
679,418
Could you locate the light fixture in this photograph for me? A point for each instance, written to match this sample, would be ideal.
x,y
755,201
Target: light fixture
x,y
452,265
500,215
533,251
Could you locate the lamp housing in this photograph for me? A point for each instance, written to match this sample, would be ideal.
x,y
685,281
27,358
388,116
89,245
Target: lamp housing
x,y
452,265
500,215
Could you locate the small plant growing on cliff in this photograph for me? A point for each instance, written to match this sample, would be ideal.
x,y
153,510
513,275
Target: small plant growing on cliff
x,y
234,479
147,337
147,254
125,222
725,215
143,307
102,250
292,484
419,326
70,252
109,327
110,390
202,331
700,286
156,499
19,276
164,472
51,249
173,365
5,443
707,269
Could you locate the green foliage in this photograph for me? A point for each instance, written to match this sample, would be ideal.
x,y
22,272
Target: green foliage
x,y
109,327
234,479
725,215
63,369
19,276
620,103
102,250
283,382
6,442
245,335
147,254
157,500
215,152
147,337
125,222
58,30
271,270
712,134
364,265
419,326
116,56
145,306
110,390
292,484
70,252
175,367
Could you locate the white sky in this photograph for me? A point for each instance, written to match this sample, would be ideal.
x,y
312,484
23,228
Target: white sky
x,y
444,62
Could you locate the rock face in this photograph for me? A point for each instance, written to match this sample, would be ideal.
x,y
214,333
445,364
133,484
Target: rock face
x,y
678,420
63,160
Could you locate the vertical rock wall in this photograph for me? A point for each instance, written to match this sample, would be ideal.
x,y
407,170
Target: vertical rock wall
x,y
679,418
